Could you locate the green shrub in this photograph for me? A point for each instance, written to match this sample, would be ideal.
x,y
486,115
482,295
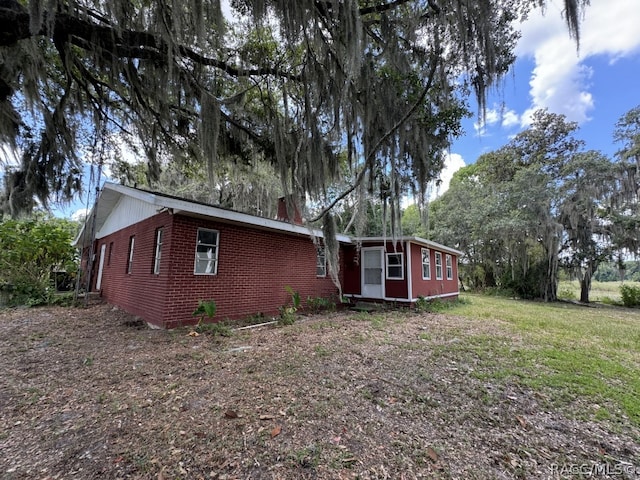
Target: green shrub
x,y
217,329
30,251
630,295
287,316
320,304
288,313
206,308
435,305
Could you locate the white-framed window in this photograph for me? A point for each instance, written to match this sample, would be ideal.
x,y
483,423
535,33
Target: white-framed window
x,y
438,266
132,243
395,266
426,264
157,254
321,261
206,252
449,265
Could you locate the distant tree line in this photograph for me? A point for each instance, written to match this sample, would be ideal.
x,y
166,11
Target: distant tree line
x,y
611,272
543,204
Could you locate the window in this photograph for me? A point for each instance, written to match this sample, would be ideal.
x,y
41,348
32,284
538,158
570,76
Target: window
x,y
449,267
132,242
438,266
158,252
110,253
207,252
426,264
321,262
395,266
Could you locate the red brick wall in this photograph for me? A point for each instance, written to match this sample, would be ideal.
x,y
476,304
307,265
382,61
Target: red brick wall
x,y
140,292
253,268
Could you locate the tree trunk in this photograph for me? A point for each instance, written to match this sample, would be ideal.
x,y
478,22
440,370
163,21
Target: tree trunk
x,y
585,286
585,281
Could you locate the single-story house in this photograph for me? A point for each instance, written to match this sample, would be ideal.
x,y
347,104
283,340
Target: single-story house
x,y
157,256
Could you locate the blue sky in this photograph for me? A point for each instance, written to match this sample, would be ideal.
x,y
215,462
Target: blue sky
x,y
594,86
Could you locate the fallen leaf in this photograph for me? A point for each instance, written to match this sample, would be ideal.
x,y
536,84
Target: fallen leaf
x,y
231,414
522,420
193,334
433,455
276,431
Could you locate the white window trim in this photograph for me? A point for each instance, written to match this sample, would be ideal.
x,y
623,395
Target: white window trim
x,y
132,243
212,258
321,252
428,263
449,266
438,265
157,256
401,265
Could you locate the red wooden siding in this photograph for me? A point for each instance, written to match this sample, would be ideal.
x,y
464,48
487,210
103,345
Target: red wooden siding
x,y
394,288
433,287
254,266
398,289
352,272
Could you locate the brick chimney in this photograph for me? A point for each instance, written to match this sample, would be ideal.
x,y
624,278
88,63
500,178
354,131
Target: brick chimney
x,y
283,211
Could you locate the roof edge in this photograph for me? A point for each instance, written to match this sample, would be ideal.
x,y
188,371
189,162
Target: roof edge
x,y
187,206
415,239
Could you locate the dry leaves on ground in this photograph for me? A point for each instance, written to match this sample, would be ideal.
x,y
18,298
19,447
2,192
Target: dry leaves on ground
x,y
86,393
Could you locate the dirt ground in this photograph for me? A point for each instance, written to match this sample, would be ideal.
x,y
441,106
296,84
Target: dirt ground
x,y
91,393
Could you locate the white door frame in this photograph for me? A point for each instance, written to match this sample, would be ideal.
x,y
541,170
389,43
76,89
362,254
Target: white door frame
x,y
103,248
369,290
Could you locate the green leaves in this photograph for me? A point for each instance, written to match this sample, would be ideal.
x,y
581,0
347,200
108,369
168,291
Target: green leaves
x,y
206,308
31,249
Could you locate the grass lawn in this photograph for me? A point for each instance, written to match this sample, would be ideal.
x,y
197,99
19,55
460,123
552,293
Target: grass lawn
x,y
489,388
568,352
600,291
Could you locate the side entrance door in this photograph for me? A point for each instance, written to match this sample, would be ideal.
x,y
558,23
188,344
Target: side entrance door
x,y
373,272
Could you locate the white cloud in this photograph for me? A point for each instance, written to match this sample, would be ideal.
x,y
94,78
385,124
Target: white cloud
x,y
452,163
80,214
496,115
510,118
491,117
560,81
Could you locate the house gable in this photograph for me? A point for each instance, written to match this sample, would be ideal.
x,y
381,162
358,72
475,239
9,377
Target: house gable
x,y
127,211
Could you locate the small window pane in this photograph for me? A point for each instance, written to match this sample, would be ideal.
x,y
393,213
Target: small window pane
x,y
438,266
321,262
132,242
395,267
426,264
158,252
206,262
449,267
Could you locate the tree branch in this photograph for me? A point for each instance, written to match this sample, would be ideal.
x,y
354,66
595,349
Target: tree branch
x,y
368,160
14,25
